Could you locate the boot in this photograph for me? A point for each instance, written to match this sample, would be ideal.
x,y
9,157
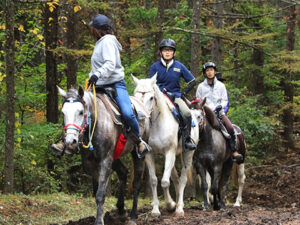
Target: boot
x,y
189,143
60,149
236,157
142,146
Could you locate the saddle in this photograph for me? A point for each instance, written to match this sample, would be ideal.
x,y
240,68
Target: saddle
x,y
107,95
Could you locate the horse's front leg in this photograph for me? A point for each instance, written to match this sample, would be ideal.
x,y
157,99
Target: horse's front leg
x,y
241,182
122,172
153,181
227,167
204,185
138,170
105,172
216,175
170,157
187,159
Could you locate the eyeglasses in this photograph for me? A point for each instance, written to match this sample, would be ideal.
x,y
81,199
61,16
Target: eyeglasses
x,y
168,50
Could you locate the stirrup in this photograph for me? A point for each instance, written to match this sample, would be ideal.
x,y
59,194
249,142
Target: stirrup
x,y
145,151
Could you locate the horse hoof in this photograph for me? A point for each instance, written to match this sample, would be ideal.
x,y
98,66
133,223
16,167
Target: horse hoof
x,y
131,222
155,214
237,204
179,213
171,206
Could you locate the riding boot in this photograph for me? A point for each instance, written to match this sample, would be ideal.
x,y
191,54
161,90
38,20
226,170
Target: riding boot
x,y
236,157
189,143
60,149
142,146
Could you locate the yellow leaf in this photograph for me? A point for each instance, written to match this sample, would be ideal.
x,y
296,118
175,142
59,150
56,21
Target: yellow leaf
x,y
33,162
43,43
21,28
51,9
40,37
34,31
2,27
17,115
50,19
19,139
17,124
18,131
76,8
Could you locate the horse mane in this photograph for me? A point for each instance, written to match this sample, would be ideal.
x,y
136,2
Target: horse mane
x,y
162,102
72,93
211,118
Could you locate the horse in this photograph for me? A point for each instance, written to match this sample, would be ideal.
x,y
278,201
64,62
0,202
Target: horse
x,y
163,138
212,156
99,162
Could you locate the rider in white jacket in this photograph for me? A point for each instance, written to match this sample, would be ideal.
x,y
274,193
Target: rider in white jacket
x,y
216,99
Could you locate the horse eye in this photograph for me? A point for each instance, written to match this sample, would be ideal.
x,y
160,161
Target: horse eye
x,y
151,98
81,113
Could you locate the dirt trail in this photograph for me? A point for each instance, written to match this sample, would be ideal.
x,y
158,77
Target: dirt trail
x,y
271,196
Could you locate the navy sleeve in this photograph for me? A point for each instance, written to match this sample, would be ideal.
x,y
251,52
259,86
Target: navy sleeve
x,y
153,70
186,74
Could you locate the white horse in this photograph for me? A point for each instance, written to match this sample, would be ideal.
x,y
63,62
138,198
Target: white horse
x,y
163,138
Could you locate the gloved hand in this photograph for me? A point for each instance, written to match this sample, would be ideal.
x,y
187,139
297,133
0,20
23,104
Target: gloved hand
x,y
218,108
93,80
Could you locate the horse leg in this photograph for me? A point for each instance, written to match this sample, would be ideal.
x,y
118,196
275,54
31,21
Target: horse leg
x,y
216,175
105,173
122,172
204,186
175,180
170,157
225,177
187,159
241,182
138,170
153,181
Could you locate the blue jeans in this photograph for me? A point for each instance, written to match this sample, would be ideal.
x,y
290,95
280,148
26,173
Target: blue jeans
x,y
124,104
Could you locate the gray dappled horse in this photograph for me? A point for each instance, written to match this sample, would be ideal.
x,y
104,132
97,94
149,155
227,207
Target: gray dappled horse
x,y
99,162
163,138
212,156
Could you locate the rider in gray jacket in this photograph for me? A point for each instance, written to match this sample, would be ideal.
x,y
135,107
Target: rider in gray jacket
x,y
217,99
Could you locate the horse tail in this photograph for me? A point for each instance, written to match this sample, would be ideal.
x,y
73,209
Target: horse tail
x,y
234,174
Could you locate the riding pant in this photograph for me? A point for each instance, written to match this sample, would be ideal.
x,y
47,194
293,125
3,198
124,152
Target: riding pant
x,y
228,125
124,104
183,107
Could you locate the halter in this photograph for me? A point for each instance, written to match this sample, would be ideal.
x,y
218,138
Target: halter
x,y
73,126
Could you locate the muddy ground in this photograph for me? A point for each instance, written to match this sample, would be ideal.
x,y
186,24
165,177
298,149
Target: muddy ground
x,y
271,196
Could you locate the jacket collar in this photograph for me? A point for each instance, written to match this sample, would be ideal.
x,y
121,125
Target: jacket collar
x,y
165,64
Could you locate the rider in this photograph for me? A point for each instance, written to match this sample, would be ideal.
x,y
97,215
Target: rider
x,y
169,71
217,99
107,70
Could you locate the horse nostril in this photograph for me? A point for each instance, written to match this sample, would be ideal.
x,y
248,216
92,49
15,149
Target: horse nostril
x,y
74,141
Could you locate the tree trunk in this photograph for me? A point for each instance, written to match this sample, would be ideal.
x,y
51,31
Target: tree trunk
x,y
51,28
10,99
72,39
159,34
216,50
195,43
258,79
288,117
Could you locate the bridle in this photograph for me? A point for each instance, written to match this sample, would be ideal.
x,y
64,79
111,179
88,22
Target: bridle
x,y
72,126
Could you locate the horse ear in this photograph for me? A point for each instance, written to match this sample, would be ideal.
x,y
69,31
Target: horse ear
x,y
203,102
135,80
61,92
153,79
80,92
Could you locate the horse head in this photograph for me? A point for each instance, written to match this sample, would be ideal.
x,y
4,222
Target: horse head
x,y
75,116
145,91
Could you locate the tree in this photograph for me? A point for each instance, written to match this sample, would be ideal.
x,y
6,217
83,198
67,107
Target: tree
x,y
10,99
50,13
195,44
216,50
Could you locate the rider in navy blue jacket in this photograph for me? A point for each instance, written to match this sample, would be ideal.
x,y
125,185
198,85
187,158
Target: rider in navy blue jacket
x,y
169,73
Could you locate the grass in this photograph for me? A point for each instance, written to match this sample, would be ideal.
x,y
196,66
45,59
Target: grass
x,y
56,208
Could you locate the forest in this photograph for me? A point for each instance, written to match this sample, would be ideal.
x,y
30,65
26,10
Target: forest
x,y
47,43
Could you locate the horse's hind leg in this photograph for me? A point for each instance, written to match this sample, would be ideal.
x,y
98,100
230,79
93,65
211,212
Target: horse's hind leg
x,y
204,186
138,169
187,159
122,172
216,175
153,181
165,181
241,182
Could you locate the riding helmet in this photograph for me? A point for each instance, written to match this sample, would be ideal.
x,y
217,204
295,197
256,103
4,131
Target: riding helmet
x,y
167,43
99,20
208,64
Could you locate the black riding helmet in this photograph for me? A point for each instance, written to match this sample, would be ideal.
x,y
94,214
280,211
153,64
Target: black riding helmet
x,y
99,20
208,64
167,43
